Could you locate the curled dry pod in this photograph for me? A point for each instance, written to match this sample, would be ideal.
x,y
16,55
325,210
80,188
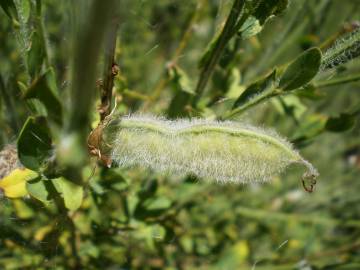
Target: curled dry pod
x,y
221,151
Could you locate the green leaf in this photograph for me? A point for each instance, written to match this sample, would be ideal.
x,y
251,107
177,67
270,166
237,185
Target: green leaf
x,y
9,7
37,189
250,28
341,123
263,10
157,203
43,88
267,8
72,193
34,143
35,55
256,89
302,70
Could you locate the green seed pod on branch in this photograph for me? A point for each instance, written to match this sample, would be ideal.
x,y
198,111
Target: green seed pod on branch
x,y
222,151
344,50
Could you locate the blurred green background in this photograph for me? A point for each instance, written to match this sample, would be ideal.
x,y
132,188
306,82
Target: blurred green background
x,y
137,219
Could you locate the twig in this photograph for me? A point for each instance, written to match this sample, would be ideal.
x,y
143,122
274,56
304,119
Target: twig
x,y
41,29
231,23
67,221
253,102
348,79
87,51
110,70
135,95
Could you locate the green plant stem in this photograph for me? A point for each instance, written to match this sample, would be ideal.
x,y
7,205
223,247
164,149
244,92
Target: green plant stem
x,y
109,69
135,95
41,29
253,102
326,44
22,39
89,43
343,51
281,43
232,23
348,79
87,52
65,219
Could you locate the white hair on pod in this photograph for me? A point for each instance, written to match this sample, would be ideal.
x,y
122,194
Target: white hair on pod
x,y
222,151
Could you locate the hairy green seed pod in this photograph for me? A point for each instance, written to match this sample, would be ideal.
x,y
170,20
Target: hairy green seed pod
x,y
221,151
344,50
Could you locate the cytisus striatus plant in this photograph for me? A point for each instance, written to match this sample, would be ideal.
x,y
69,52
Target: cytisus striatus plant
x,y
186,76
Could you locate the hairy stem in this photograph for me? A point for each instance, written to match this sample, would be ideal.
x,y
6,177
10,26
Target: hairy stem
x,y
343,51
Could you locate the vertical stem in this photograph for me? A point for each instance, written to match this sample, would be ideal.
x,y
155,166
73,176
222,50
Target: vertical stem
x,y
281,43
110,70
66,220
90,37
22,38
41,29
87,52
221,42
189,30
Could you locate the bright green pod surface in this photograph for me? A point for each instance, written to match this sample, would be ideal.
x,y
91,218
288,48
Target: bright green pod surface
x,y
221,151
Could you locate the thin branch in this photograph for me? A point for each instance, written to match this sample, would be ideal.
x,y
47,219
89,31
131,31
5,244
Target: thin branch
x,y
42,33
348,79
135,95
110,70
65,220
87,51
253,102
228,31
